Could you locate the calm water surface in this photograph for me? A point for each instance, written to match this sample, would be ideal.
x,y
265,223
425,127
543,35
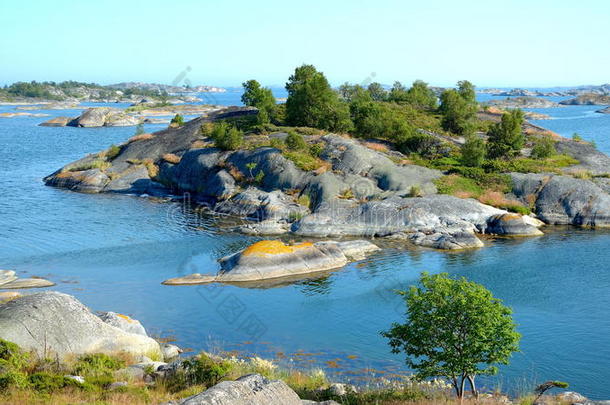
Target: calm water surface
x,y
113,251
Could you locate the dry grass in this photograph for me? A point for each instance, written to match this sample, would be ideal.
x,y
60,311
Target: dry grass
x,y
171,158
141,137
199,144
377,146
237,175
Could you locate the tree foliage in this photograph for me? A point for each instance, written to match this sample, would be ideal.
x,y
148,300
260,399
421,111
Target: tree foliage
x,y
455,329
421,96
505,137
544,147
459,108
313,103
260,97
377,92
226,137
379,120
473,151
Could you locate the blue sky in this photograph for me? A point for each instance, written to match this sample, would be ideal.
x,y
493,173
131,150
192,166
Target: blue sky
x,y
492,43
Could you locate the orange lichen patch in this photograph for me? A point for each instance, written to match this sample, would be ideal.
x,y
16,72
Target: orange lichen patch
x,y
171,158
128,319
352,356
237,175
510,217
140,137
273,247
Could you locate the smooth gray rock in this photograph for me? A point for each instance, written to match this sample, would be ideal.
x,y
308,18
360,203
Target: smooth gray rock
x,y
273,259
510,224
350,157
86,181
251,389
589,157
22,283
123,322
435,213
134,179
170,352
456,241
279,172
103,116
54,323
258,205
564,200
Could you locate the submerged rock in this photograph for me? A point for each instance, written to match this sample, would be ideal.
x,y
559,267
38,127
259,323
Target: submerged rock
x,y
52,323
272,259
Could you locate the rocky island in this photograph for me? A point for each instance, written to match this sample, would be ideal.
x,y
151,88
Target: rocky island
x,y
318,184
588,99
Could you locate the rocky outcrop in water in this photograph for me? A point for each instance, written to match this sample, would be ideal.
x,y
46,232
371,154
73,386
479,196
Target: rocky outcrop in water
x,y
95,117
588,99
356,191
52,323
10,281
564,200
523,102
272,259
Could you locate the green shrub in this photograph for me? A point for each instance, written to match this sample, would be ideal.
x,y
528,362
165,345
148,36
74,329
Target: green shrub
x,y
295,141
576,137
424,145
11,356
44,382
473,151
316,149
97,365
177,121
258,179
277,143
112,152
416,191
201,369
457,185
303,161
543,148
14,379
227,137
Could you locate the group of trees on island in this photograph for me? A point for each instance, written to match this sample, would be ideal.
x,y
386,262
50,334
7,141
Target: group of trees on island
x,y
393,115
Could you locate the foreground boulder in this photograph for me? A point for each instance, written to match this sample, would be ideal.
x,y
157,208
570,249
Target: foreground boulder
x,y
272,259
52,323
252,389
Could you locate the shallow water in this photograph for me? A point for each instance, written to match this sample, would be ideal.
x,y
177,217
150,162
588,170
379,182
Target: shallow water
x,y
112,252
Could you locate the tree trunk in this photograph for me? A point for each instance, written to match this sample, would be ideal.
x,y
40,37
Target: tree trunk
x,y
473,387
461,394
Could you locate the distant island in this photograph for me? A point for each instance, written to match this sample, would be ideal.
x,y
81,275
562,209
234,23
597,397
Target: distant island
x,y
73,91
565,92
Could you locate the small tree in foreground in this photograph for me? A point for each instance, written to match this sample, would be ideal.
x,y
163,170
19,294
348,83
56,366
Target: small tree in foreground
x,y
455,329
